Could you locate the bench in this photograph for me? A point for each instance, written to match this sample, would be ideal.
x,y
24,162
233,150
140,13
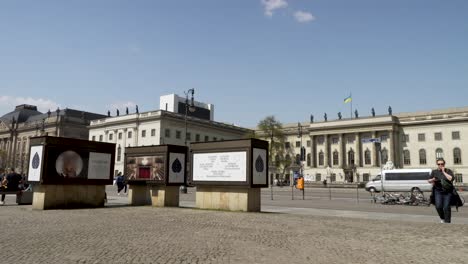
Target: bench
x,y
22,197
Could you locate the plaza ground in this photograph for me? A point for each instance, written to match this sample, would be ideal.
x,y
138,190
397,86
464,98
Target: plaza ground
x,y
303,233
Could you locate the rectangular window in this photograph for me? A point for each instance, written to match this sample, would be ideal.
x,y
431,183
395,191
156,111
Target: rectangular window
x,y
384,138
111,136
421,137
100,138
143,133
197,137
438,136
153,132
129,135
178,134
120,135
405,138
350,140
318,177
94,138
308,143
207,139
287,145
320,140
167,133
458,178
298,144
365,177
455,135
335,140
188,136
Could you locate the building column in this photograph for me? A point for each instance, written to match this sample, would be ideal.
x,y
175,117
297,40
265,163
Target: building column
x,y
341,161
357,158
327,150
391,147
124,136
313,152
135,136
375,155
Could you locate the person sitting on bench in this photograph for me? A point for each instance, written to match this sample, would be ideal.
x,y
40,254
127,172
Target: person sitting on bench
x,y
10,183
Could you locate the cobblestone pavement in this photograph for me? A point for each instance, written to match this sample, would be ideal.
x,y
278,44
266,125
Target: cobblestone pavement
x,y
180,235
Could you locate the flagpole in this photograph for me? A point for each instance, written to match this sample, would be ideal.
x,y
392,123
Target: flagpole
x,y
351,96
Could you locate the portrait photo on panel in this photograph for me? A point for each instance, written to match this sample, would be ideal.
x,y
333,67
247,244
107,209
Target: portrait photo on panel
x,y
69,164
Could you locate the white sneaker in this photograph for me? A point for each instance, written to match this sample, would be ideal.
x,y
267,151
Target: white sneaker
x,y
2,203
442,221
118,194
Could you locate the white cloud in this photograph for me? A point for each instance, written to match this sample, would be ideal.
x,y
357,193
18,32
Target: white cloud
x,y
303,17
8,103
271,5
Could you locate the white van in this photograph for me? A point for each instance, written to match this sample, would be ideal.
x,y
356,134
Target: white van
x,y
404,180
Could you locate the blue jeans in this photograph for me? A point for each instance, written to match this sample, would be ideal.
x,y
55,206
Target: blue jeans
x,y
442,204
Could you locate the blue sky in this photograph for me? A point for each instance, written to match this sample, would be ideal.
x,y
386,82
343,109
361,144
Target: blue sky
x,y
250,58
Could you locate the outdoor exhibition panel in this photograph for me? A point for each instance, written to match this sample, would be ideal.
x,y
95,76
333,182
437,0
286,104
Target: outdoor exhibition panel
x,y
230,163
156,165
154,174
69,173
62,161
229,174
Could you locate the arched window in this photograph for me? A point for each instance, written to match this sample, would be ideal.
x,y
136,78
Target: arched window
x,y
321,158
335,158
277,160
457,156
439,153
406,157
422,157
367,157
298,159
309,160
351,157
288,158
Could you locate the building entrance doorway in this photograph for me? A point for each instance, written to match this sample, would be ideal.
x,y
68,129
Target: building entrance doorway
x,y
348,175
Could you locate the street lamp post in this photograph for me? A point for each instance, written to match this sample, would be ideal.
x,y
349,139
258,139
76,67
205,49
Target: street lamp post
x,y
301,157
188,107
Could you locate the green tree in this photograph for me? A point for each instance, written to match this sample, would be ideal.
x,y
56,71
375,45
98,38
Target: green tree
x,y
271,130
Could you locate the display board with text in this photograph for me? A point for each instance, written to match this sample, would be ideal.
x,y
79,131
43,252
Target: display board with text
x,y
157,165
231,162
57,160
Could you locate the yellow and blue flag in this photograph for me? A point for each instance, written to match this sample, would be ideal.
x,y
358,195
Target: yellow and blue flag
x,y
348,99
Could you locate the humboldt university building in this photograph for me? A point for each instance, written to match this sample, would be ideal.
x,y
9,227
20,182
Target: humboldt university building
x,y
340,150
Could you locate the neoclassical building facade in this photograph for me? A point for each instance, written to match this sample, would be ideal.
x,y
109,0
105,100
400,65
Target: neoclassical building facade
x,y
158,127
340,151
25,121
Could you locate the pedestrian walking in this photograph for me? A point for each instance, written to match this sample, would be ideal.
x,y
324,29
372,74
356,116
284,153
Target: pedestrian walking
x,y
10,182
121,183
442,190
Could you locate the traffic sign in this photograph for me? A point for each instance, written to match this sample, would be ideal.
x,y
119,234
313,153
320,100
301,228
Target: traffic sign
x,y
370,140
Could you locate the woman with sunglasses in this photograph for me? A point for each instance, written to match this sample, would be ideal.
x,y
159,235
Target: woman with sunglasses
x,y
442,179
